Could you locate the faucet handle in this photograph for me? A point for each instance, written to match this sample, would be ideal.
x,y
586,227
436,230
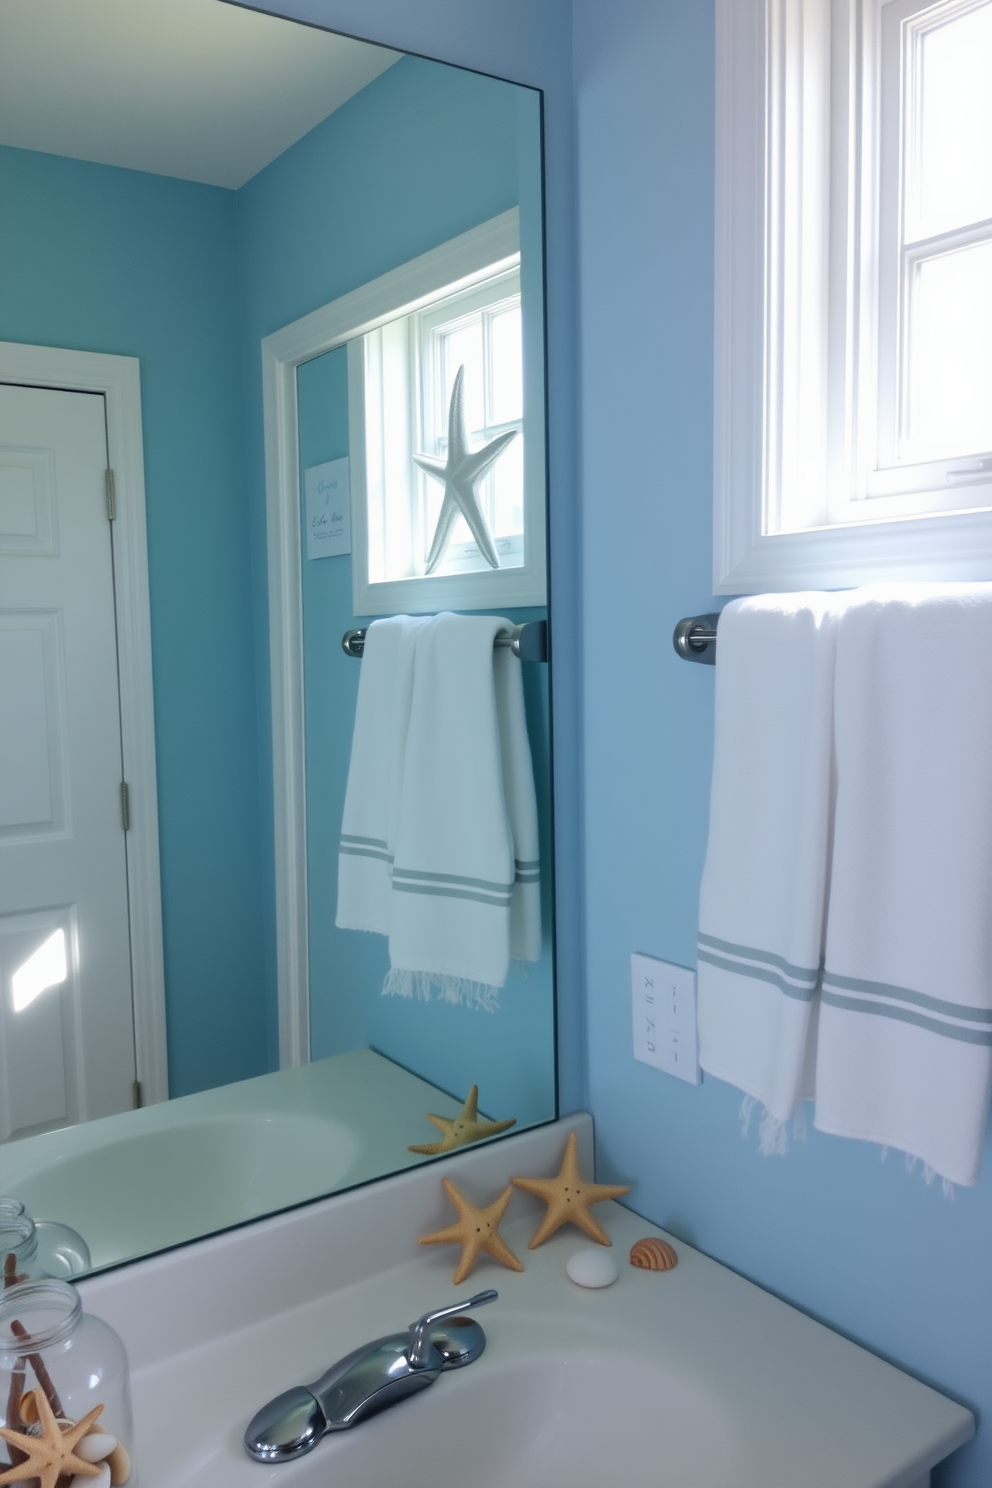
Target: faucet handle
x,y
419,1351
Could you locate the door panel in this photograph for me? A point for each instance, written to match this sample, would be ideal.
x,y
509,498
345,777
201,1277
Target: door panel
x,y
67,1051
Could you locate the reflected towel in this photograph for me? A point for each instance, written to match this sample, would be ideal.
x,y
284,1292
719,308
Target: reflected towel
x,y
466,876
905,1037
375,774
762,898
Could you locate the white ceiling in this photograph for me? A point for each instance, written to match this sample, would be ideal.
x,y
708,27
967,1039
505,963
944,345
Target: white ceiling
x,y
193,88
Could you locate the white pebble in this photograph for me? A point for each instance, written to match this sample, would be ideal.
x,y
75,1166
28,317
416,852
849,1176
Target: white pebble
x,y
96,1446
594,1267
102,1479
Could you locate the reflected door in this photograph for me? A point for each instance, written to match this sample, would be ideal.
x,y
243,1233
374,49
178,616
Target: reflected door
x,y
66,1022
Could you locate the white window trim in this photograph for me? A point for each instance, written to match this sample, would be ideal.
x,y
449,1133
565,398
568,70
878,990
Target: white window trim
x,y
470,258
751,359
118,378
336,324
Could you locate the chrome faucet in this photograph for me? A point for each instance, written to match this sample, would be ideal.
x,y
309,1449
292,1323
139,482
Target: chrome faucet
x,y
366,1381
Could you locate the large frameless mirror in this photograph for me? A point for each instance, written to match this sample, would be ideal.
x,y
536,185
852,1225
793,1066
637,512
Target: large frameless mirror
x,y
271,376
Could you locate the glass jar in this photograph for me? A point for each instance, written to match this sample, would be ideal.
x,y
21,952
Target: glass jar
x,y
57,1362
30,1250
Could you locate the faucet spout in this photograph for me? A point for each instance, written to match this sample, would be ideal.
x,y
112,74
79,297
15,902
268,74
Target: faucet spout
x,y
366,1381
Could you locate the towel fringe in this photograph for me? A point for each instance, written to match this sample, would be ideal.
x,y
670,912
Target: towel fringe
x,y
773,1134
457,990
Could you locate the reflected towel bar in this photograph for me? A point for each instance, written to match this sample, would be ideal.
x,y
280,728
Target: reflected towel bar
x,y
529,642
695,638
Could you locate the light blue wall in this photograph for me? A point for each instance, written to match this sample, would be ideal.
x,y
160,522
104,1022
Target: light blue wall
x,y
354,189
101,259
860,1244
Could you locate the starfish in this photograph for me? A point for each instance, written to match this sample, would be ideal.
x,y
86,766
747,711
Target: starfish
x,y
477,1230
49,1456
465,1128
460,475
569,1198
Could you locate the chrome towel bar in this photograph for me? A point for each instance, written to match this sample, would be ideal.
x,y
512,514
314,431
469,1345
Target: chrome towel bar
x,y
529,641
695,638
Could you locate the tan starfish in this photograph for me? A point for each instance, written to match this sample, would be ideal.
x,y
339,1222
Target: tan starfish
x,y
465,1128
50,1456
569,1198
477,1230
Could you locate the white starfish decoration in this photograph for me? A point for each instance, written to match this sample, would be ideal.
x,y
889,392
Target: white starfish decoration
x,y
460,475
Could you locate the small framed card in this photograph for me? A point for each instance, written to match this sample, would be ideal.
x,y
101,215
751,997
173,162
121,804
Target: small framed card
x,y
327,503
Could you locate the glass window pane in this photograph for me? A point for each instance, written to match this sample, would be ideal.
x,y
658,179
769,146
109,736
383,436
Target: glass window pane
x,y
507,366
463,348
508,491
955,124
950,349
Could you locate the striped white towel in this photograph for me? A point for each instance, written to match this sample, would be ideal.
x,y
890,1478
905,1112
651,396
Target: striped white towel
x,y
466,876
905,1037
762,899
375,775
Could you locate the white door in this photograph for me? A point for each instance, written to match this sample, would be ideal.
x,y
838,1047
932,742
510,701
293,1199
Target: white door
x,y
66,1019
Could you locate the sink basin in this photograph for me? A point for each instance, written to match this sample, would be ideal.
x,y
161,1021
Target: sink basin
x,y
559,1419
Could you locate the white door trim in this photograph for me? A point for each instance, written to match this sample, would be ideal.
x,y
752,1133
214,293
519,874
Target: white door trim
x,y
118,379
399,292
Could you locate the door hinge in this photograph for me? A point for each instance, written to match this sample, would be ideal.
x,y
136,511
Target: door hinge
x,y
125,807
136,1094
111,504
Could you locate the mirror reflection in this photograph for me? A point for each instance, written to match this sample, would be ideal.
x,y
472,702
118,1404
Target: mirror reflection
x,y
271,374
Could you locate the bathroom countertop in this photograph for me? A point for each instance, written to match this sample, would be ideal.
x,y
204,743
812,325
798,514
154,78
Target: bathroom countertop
x,y
214,1334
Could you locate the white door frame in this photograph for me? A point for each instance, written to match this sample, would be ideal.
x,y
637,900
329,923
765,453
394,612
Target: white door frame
x,y
118,379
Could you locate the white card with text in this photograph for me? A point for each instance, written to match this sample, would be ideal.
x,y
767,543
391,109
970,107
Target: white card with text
x,y
328,509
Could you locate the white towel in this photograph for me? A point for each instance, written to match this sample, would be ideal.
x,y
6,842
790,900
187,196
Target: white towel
x,y
762,899
466,876
371,803
905,1037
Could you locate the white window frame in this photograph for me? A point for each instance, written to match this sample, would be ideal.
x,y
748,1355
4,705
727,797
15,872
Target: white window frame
x,y
795,294
470,259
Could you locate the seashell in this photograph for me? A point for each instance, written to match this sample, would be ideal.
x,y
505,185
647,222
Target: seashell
x,y
652,1254
119,1463
95,1446
102,1479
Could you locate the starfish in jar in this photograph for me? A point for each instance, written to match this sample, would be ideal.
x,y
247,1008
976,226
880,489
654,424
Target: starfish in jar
x,y
51,1455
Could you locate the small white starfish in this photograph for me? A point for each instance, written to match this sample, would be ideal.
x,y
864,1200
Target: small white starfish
x,y
460,475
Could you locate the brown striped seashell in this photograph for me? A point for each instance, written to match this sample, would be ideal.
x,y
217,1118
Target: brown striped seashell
x,y
652,1254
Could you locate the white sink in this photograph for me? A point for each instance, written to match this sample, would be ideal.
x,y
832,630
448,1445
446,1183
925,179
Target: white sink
x,y
692,1378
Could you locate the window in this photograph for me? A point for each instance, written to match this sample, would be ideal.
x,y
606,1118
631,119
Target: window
x,y
853,433
403,373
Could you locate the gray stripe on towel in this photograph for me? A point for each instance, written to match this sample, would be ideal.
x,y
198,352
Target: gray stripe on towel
x,y
905,994
760,974
366,852
500,901
906,1015
797,973
451,878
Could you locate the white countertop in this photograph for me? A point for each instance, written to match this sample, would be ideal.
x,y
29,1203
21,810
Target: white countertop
x,y
779,1401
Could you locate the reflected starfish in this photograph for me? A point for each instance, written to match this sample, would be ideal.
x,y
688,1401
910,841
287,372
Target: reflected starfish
x,y
477,1230
460,475
49,1456
569,1198
465,1128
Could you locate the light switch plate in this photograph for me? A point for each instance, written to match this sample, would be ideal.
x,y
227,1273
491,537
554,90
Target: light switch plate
x,y
665,1017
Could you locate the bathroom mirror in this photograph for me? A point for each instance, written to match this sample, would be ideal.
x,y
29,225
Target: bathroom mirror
x,y
218,227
